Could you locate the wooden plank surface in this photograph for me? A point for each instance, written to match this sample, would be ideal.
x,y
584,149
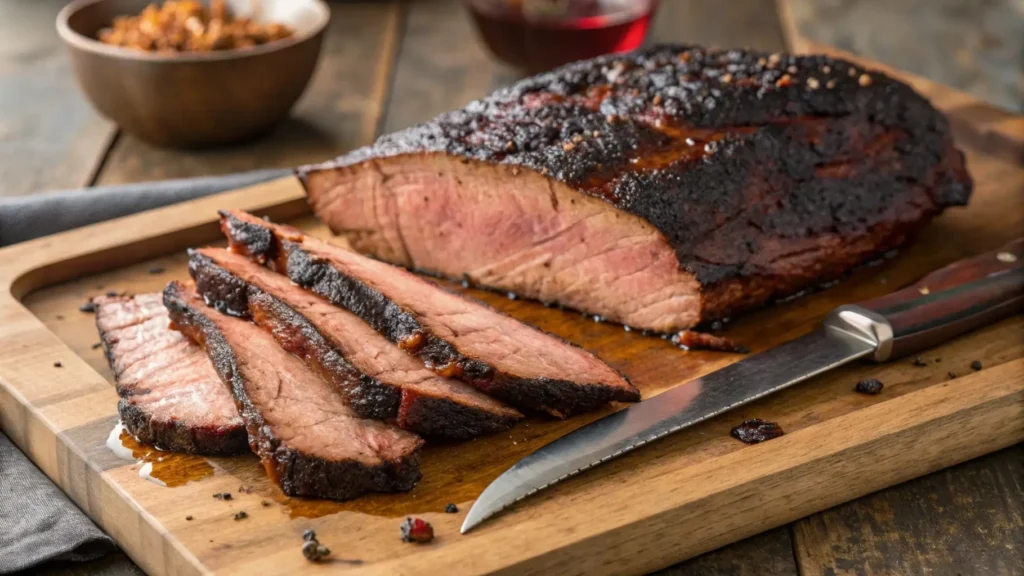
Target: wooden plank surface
x,y
50,138
965,520
746,23
441,65
770,552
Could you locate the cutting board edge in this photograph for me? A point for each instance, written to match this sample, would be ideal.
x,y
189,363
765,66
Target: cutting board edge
x,y
111,244
28,345
932,415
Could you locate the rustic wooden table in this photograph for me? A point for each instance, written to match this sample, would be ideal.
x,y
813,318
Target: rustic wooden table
x,y
388,64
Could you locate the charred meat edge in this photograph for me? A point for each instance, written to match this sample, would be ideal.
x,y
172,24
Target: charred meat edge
x,y
281,247
298,474
431,416
175,435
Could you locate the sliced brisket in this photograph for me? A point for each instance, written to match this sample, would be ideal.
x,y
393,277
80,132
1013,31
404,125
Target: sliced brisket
x,y
310,441
377,378
455,336
171,396
660,189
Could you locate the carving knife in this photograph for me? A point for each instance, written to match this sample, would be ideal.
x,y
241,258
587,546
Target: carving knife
x,y
961,297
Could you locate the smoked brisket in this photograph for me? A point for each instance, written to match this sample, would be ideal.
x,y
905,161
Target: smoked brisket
x,y
455,336
377,378
171,397
660,189
310,442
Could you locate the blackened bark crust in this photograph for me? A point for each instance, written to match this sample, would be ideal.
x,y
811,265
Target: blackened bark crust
x,y
178,437
298,474
369,397
555,396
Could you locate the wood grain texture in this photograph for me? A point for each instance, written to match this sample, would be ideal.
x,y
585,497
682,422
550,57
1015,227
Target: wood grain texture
x,y
966,520
50,137
690,493
770,552
441,65
746,23
339,111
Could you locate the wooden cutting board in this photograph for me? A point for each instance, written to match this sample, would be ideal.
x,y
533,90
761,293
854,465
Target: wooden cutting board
x,y
681,496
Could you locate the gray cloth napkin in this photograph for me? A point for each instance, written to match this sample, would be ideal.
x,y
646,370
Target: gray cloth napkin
x,y
26,217
38,523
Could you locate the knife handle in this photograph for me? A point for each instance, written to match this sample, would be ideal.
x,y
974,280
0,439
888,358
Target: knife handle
x,y
961,297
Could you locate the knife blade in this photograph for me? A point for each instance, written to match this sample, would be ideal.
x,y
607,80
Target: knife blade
x,y
960,297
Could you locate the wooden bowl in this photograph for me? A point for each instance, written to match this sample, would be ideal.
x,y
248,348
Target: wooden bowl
x,y
194,100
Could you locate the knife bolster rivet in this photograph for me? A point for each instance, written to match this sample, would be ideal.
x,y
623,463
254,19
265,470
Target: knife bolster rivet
x,y
1006,257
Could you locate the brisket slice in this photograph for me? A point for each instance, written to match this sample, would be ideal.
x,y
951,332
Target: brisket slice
x,y
660,189
376,377
454,336
309,441
171,397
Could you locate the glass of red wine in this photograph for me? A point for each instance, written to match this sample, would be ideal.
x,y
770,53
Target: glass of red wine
x,y
537,35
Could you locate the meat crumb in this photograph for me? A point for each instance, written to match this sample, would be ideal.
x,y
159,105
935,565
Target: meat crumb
x,y
309,534
417,530
223,496
265,503
693,340
58,364
872,386
189,518
97,345
111,293
88,307
241,515
976,365
951,375
755,431
451,508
